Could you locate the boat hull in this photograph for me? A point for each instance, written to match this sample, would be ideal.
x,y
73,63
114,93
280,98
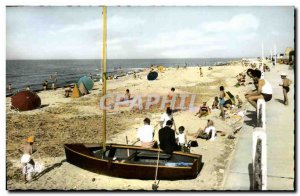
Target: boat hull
x,y
134,166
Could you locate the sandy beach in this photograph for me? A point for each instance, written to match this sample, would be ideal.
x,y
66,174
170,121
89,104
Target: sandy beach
x,y
69,120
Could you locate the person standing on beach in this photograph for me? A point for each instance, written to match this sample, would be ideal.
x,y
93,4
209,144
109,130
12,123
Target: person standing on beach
x,y
222,102
171,93
286,87
26,160
45,85
145,134
9,88
166,117
167,140
201,73
264,90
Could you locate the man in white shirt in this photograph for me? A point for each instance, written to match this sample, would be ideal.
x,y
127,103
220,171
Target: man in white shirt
x,y
145,134
165,117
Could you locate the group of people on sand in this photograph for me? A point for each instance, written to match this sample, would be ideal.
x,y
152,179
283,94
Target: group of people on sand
x,y
171,139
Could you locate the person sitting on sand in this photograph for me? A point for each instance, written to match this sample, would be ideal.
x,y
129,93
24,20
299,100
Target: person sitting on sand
x,y
215,104
241,79
286,87
181,138
204,110
145,134
167,140
239,101
68,90
264,90
127,96
165,117
208,133
28,88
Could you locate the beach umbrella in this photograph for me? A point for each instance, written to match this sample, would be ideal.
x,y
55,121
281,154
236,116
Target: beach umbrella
x,y
87,81
75,93
82,89
152,75
25,100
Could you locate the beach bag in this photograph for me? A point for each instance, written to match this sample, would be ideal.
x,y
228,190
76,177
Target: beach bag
x,y
193,143
231,97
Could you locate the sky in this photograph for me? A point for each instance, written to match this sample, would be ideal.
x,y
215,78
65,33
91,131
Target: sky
x,y
147,32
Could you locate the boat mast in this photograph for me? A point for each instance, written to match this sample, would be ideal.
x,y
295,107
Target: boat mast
x,y
104,77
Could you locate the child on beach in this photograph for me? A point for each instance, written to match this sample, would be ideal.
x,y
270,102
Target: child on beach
x,y
285,86
181,138
215,104
239,101
171,93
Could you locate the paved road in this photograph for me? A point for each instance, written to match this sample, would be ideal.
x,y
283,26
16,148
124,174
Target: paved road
x,y
280,141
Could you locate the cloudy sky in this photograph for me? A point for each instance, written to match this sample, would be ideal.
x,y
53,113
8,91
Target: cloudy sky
x,y
147,32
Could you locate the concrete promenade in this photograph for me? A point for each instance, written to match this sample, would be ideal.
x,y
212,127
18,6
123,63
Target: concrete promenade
x,y
280,127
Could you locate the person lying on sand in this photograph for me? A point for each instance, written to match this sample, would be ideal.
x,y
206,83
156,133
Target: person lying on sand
x,y
286,87
204,110
208,133
145,134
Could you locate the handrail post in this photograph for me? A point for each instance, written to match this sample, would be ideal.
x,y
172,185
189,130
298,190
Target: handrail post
x,y
261,113
259,159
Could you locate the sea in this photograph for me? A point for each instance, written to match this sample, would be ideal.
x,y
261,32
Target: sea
x,y
23,73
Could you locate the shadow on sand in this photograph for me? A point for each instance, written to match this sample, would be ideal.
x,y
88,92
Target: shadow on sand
x,y
279,100
250,171
48,169
252,119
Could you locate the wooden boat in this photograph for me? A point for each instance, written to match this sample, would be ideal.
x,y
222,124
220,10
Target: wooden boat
x,y
133,162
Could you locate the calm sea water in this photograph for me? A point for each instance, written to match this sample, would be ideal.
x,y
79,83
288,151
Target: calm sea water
x,y
23,73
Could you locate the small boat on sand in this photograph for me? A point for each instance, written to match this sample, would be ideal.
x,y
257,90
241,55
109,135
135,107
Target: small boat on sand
x,y
133,162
